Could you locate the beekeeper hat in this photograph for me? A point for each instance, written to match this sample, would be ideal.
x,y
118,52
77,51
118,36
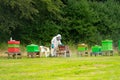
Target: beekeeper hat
x,y
59,36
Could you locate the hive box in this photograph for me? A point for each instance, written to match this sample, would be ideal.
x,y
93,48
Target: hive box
x,y
96,49
119,45
13,42
82,47
13,50
107,45
13,46
33,48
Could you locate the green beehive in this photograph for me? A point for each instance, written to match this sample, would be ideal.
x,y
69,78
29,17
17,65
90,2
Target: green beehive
x,y
33,48
107,45
119,45
96,49
82,47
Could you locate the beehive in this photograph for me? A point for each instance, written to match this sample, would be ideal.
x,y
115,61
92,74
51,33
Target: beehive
x,y
33,48
82,47
107,45
13,46
96,49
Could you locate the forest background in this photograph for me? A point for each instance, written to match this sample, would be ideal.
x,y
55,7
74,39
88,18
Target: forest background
x,y
78,21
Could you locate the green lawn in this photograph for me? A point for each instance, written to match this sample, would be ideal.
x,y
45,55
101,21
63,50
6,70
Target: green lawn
x,y
74,68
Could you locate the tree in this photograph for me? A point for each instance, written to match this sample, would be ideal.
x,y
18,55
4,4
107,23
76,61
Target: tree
x,y
78,21
108,19
12,14
45,24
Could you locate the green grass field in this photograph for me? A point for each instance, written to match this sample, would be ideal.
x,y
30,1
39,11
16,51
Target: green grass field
x,y
73,68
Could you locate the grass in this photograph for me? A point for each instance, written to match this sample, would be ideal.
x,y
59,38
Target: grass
x,y
73,68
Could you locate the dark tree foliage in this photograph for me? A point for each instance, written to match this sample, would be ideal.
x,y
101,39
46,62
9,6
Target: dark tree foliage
x,y
37,21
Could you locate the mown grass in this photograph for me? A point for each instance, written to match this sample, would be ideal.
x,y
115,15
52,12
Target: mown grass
x,y
73,68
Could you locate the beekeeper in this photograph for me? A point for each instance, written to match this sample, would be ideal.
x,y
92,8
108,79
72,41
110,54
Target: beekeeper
x,y
54,44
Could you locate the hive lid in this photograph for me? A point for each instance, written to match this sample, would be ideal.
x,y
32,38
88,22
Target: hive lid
x,y
107,40
13,42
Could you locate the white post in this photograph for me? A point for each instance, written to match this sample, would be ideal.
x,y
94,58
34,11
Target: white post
x,y
10,38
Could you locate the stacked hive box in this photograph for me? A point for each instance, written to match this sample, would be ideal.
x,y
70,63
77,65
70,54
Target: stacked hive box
x,y
107,47
13,46
119,47
96,50
33,50
82,49
63,50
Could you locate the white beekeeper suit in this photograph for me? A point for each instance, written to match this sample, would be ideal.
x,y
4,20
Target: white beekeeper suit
x,y
54,44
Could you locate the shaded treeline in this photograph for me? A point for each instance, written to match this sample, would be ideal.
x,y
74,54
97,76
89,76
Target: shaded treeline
x,y
37,21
